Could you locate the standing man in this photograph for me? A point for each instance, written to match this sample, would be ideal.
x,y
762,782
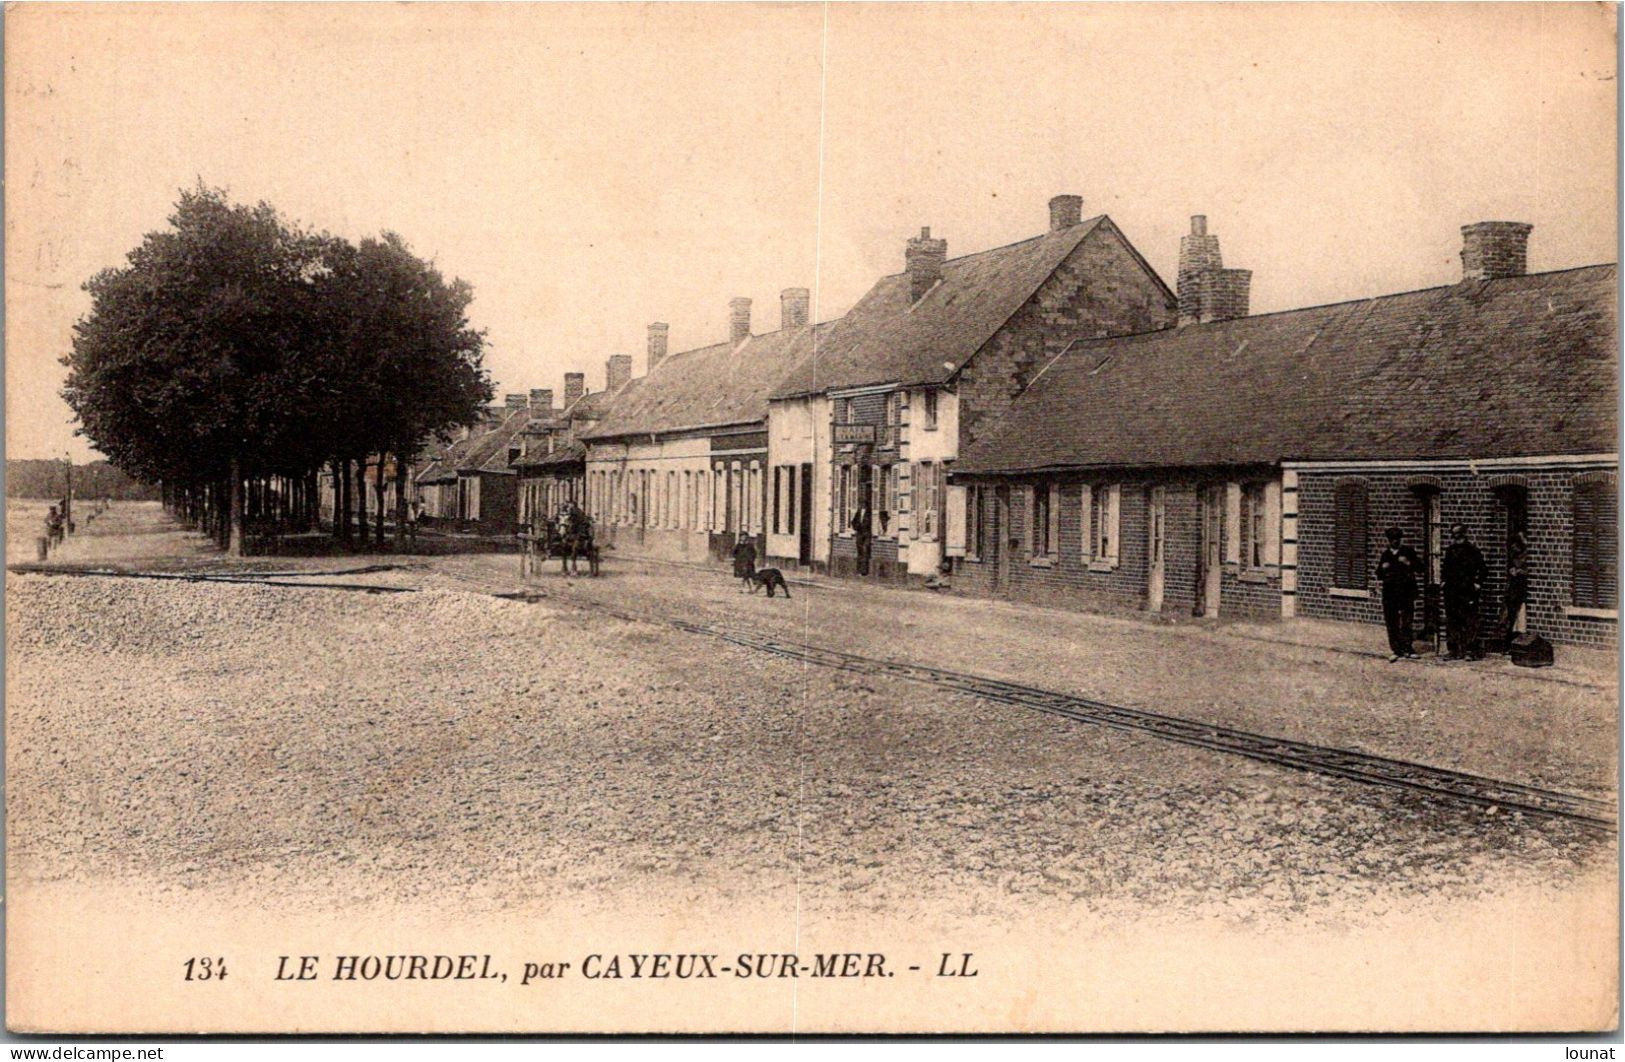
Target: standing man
x,y
863,534
1464,575
1397,570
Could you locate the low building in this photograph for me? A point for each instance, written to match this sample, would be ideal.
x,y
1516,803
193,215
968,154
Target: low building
x,y
1251,466
874,418
677,468
552,462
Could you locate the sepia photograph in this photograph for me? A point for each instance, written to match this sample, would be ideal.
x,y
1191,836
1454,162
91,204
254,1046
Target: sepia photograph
x,y
808,518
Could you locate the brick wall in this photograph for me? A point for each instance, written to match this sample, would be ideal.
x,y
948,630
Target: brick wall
x,y
1100,290
1466,497
1068,582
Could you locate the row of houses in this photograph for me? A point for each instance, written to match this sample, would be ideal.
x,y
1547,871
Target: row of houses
x,y
1050,421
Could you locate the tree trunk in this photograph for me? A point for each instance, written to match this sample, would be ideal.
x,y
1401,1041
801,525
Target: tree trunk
x,y
400,503
361,501
341,499
378,484
234,544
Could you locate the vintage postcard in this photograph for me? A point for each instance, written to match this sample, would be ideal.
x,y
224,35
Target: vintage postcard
x,y
811,518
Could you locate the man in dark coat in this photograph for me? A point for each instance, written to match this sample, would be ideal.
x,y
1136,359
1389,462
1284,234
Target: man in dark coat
x,y
1464,575
863,536
1397,569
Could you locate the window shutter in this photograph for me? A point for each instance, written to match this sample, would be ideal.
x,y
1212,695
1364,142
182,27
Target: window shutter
x,y
1586,581
1349,541
1242,531
1086,513
916,491
1607,546
1027,521
956,522
1054,529
1113,519
1235,524
1272,523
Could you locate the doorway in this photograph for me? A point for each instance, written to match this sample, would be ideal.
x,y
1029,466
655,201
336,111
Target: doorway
x,y
804,522
1430,501
1209,562
997,542
1156,520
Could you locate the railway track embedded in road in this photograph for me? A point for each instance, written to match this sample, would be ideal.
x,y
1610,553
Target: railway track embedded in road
x,y
1363,767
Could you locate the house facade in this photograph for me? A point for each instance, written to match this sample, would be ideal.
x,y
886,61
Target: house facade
x,y
677,469
1250,466
925,363
551,465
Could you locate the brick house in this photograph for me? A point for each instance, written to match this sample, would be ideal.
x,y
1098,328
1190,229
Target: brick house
x,y
1250,466
919,369
676,469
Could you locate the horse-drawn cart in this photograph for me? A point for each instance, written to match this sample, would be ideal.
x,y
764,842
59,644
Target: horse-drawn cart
x,y
546,542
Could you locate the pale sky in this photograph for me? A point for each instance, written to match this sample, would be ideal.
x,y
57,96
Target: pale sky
x,y
590,169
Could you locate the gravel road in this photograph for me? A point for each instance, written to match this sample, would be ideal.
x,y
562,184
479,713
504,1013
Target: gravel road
x,y
356,748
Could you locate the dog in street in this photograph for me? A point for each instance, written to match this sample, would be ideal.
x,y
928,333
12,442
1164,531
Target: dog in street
x,y
769,578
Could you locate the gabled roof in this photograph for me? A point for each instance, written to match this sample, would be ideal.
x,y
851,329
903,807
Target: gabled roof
x,y
489,452
710,387
887,338
444,465
1514,367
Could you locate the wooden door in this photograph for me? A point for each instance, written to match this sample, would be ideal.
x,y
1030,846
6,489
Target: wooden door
x,y
1212,560
804,517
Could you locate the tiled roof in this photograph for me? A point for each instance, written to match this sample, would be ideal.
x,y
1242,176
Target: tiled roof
x,y
709,387
444,466
1518,366
568,451
486,451
887,338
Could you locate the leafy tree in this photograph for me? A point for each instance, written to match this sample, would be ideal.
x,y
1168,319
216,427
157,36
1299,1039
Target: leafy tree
x,y
234,347
406,340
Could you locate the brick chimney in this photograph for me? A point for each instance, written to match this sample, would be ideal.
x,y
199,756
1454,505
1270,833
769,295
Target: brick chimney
x,y
793,306
1208,291
517,402
923,259
738,320
1491,249
541,400
1065,211
575,385
617,371
657,343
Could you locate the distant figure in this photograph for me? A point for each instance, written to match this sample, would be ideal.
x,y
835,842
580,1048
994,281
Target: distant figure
x,y
744,561
1517,595
1396,570
414,513
53,526
863,534
1464,575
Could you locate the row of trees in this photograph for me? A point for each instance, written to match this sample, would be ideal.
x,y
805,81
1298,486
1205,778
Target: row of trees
x,y
236,354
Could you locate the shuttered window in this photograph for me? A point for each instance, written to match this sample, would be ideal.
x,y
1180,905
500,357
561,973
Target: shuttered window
x,y
1596,545
1043,524
1349,536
